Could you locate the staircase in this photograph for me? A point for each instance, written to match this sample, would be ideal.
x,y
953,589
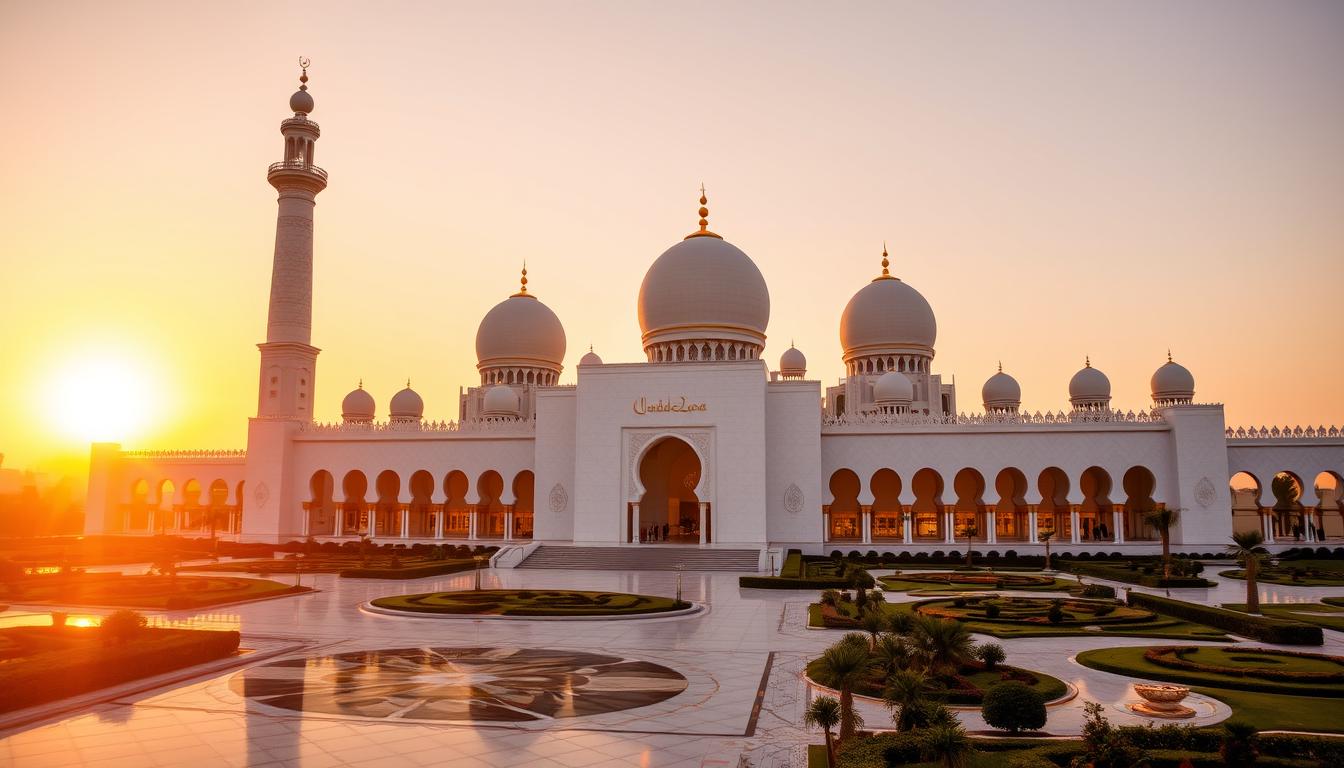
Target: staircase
x,y
642,558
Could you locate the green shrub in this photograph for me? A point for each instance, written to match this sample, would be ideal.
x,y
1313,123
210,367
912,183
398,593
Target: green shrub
x,y
1056,613
121,626
991,654
412,572
1262,628
1098,591
1013,707
992,611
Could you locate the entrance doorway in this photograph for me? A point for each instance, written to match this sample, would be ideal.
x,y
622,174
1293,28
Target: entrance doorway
x,y
669,510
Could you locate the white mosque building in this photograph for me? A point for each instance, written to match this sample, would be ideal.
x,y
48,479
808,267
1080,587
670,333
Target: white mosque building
x,y
702,444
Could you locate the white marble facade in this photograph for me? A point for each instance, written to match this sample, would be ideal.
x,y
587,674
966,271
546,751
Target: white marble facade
x,y
702,443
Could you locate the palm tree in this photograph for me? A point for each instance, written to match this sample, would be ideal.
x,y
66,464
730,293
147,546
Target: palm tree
x,y
906,694
969,532
843,666
1045,537
942,644
892,654
824,712
947,744
1163,519
874,622
902,622
1246,547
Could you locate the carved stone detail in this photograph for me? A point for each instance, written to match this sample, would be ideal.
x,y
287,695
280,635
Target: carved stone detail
x,y
793,499
1205,493
261,495
559,499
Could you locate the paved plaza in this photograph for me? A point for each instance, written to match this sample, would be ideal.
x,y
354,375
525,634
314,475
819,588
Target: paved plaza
x,y
327,684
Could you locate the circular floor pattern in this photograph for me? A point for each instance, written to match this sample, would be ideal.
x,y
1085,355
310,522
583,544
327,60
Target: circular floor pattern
x,y
484,684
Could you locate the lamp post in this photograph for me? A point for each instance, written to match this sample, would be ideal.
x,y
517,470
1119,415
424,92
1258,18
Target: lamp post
x,y
772,563
479,559
680,568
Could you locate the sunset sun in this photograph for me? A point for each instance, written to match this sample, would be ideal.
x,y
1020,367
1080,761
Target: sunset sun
x,y
101,397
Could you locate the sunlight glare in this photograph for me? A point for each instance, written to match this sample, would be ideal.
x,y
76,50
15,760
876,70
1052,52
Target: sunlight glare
x,y
100,397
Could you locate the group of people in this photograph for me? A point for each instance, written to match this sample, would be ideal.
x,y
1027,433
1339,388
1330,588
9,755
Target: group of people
x,y
656,532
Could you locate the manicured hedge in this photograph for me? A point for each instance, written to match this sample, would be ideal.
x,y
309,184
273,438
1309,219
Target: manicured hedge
x,y
779,582
90,664
1118,572
414,572
1174,657
1262,628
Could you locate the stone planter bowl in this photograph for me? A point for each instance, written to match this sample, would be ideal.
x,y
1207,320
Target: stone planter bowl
x,y
1163,698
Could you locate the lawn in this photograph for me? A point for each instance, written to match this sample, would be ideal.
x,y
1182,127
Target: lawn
x,y
1320,614
970,581
42,664
1155,626
511,602
145,592
1298,573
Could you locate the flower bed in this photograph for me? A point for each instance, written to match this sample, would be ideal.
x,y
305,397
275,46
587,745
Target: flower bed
x,y
1032,610
523,602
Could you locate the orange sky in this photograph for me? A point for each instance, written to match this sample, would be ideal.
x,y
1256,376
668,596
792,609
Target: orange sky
x,y
1057,180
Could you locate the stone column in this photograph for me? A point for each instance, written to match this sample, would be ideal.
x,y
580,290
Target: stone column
x,y
866,523
307,520
508,523
1118,519
1267,523
825,527
1033,532
704,521
907,527
373,523
405,521
471,524
340,522
949,527
991,520
1309,523
438,521
1075,535
633,535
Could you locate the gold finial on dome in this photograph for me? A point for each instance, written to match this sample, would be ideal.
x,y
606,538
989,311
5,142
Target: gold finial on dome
x,y
522,284
303,78
1087,361
886,263
1169,360
361,383
704,219
1000,366
408,382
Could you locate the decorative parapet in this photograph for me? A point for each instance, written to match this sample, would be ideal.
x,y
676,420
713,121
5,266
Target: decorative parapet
x,y
1027,420
1283,433
466,426
209,454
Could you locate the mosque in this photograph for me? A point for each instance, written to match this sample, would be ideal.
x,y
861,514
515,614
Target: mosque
x,y
703,444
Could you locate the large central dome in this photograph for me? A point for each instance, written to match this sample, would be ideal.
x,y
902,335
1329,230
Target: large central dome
x,y
887,317
520,339
703,299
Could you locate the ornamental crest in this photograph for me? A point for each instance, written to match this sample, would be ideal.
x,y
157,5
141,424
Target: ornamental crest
x,y
559,498
793,499
261,495
1205,493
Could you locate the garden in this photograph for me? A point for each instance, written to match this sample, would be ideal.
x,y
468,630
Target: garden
x,y
974,580
513,602
163,591
1296,573
43,664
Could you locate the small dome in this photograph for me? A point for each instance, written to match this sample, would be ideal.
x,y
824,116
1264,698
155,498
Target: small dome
x,y
358,405
301,102
590,358
887,316
500,402
1172,382
407,405
893,387
520,331
793,362
1001,392
1089,386
704,288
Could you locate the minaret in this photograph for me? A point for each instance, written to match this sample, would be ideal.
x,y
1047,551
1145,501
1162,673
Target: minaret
x,y
288,360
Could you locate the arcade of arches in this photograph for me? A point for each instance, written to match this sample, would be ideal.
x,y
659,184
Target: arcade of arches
x,y
1276,508
669,510
380,511
937,511
203,509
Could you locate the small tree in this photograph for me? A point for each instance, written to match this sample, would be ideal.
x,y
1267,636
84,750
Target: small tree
x,y
1104,745
364,549
892,654
942,645
969,531
824,712
1013,707
1056,613
1045,537
1163,519
991,654
123,625
842,667
907,693
901,622
1246,547
947,745
874,622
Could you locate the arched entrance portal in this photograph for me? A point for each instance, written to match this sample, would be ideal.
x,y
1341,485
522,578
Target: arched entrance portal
x,y
669,510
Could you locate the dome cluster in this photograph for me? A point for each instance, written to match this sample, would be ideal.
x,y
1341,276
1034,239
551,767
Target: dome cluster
x,y
406,406
1090,389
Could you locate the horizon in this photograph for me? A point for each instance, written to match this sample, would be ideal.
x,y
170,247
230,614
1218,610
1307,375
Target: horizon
x,y
1054,196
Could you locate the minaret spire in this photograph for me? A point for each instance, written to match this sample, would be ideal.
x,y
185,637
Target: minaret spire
x,y
704,218
522,284
288,359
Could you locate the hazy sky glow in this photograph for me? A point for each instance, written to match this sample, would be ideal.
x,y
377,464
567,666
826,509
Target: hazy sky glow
x,y
1058,179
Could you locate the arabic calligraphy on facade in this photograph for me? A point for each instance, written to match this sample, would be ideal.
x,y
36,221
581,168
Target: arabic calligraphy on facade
x,y
643,406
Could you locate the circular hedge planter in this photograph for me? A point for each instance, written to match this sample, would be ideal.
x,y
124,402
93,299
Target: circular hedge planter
x,y
968,687
528,603
1032,611
1296,674
975,579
